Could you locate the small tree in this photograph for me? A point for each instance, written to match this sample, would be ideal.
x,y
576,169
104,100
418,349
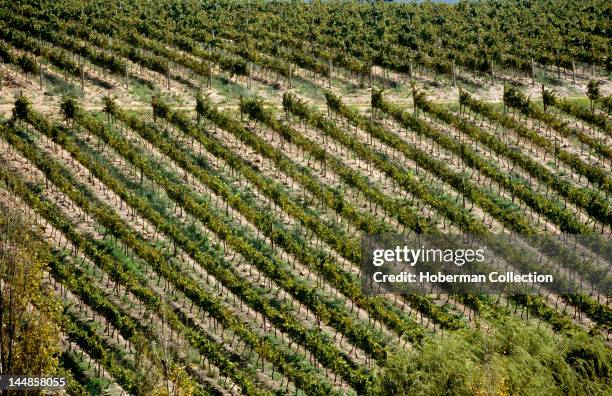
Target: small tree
x,y
607,102
69,108
377,98
418,97
593,92
203,105
160,108
22,108
29,331
28,65
515,99
110,107
464,98
549,98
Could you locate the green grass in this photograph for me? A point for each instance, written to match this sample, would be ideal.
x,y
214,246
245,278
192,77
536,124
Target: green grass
x,y
230,90
581,101
308,89
59,87
142,91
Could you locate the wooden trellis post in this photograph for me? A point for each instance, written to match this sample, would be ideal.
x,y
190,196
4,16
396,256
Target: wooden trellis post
x,y
453,71
168,75
249,71
82,79
532,72
210,75
410,71
329,80
210,67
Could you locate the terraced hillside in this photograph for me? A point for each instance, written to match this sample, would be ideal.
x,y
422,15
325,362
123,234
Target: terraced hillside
x,y
202,174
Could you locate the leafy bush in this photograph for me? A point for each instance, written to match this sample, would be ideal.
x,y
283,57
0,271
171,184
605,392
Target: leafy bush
x,y
513,359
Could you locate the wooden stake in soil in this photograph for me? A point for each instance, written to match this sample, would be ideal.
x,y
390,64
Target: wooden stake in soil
x,y
126,75
41,75
249,71
532,72
330,74
453,71
83,79
290,75
492,73
410,71
574,70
